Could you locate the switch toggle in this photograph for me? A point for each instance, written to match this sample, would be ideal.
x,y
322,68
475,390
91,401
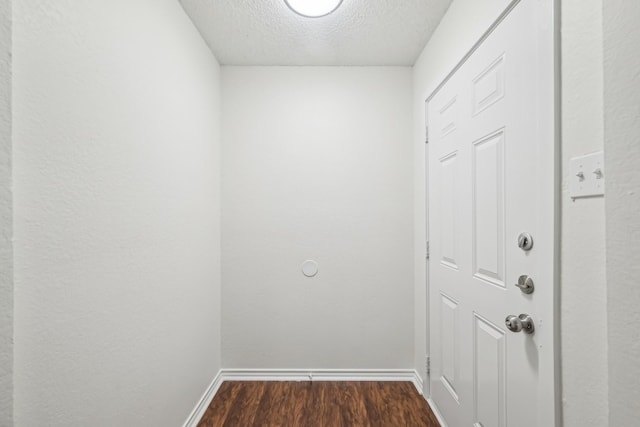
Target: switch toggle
x,y
598,173
588,176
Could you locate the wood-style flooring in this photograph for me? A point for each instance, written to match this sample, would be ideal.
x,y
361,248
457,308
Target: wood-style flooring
x,y
311,404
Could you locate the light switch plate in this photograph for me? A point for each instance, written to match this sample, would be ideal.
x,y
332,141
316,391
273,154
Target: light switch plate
x,y
587,176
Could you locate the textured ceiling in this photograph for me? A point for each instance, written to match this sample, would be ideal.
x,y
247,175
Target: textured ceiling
x,y
360,32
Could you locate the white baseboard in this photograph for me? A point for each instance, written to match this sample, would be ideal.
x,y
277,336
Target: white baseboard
x,y
319,375
432,405
198,412
299,375
418,383
436,412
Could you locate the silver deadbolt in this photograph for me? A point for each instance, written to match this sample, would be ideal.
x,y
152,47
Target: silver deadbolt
x,y
525,283
524,323
525,241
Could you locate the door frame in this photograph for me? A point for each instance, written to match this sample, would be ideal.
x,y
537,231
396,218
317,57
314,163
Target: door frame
x,y
555,199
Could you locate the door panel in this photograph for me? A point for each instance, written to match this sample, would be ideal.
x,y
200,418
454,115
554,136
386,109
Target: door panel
x,y
449,354
488,209
491,177
448,197
488,86
490,371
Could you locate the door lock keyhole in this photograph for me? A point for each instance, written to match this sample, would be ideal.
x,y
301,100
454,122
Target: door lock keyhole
x,y
525,241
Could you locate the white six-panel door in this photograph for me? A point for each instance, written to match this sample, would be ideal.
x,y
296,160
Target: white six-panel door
x,y
492,177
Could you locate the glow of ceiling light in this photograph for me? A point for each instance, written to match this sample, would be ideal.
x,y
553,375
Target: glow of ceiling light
x,y
313,8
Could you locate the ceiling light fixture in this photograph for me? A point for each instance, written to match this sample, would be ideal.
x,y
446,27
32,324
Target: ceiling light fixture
x,y
313,8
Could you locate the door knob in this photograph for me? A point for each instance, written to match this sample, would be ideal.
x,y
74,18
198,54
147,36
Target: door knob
x,y
525,283
524,323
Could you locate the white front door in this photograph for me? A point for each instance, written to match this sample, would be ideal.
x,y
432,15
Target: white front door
x,y
492,177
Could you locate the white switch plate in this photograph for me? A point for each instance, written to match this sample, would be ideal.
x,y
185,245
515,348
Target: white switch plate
x,y
587,176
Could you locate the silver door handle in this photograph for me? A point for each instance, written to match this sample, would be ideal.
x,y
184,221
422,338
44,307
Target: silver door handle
x,y
524,323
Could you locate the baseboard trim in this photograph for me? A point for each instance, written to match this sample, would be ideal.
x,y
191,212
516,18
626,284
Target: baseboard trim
x,y
198,412
436,412
301,375
418,383
322,375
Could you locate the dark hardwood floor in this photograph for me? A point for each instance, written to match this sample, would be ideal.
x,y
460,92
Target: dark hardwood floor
x,y
326,404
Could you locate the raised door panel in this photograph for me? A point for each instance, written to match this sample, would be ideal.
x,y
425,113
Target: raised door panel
x,y
489,374
448,202
449,342
489,86
488,212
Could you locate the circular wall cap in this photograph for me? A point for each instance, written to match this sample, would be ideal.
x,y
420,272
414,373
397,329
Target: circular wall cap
x,y
310,268
313,8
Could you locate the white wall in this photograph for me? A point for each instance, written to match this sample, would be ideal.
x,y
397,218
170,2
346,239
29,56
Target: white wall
x,y
583,278
622,139
463,24
583,287
6,222
315,167
116,203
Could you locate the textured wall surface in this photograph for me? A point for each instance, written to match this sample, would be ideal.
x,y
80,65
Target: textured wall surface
x,y
622,156
360,32
6,222
461,27
584,287
116,203
316,165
